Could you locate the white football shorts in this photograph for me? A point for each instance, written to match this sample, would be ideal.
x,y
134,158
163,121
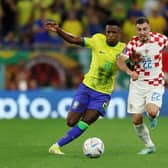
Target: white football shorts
x,y
141,94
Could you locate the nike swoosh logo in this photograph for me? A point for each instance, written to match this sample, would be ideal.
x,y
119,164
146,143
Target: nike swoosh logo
x,y
101,52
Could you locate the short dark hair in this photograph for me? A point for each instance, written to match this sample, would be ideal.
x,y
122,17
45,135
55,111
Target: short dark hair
x,y
141,20
113,22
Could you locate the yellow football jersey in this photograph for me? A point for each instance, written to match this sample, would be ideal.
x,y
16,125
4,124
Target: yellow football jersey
x,y
103,67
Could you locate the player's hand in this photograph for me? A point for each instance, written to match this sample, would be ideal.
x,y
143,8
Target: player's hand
x,y
134,75
50,26
136,57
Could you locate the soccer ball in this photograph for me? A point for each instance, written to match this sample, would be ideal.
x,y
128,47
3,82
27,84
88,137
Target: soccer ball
x,y
93,147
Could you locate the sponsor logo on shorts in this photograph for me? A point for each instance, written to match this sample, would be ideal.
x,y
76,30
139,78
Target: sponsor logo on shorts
x,y
105,105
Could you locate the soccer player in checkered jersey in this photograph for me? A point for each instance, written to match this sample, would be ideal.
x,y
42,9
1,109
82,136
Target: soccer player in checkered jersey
x,y
144,51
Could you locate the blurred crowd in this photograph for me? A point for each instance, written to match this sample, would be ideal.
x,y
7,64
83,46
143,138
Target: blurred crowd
x,y
21,21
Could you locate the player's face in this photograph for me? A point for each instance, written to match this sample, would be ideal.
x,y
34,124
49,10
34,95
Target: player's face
x,y
143,31
112,34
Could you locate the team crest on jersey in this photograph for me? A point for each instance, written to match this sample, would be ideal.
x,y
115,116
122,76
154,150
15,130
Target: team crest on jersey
x,y
125,50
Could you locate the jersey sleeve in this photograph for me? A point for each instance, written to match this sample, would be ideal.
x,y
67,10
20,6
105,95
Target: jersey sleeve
x,y
88,42
129,48
165,41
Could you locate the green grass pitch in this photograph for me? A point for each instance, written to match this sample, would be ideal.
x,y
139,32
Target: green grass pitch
x,y
25,143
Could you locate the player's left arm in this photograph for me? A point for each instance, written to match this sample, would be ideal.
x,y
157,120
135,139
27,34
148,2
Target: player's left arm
x,y
123,62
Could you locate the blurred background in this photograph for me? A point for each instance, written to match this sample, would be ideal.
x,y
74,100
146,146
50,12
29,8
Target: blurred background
x,y
37,64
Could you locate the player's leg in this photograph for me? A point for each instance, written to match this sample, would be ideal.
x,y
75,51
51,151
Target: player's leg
x,y
143,133
142,130
88,106
78,107
152,112
85,99
154,102
88,118
74,132
79,126
136,107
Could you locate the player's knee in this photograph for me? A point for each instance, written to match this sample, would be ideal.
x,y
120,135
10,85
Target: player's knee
x,y
73,119
88,121
91,118
153,114
152,110
71,123
137,121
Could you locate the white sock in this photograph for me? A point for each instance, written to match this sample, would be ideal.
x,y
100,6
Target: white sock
x,y
57,144
143,132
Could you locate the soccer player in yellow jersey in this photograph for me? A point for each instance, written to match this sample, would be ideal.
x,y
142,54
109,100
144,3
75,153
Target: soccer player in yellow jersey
x,y
93,94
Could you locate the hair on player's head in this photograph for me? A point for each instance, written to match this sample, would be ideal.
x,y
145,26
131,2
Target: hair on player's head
x,y
113,22
141,20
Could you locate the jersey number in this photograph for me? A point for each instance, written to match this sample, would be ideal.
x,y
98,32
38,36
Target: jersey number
x,y
155,96
147,64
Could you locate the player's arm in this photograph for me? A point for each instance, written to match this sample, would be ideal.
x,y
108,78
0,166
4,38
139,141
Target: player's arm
x,y
125,64
52,26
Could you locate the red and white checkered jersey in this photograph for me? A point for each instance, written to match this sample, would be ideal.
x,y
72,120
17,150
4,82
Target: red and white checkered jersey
x,y
150,68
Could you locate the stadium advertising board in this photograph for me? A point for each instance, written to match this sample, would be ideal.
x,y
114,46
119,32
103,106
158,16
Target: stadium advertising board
x,y
53,104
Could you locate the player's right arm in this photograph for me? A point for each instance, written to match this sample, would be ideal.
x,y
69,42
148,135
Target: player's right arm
x,y
52,26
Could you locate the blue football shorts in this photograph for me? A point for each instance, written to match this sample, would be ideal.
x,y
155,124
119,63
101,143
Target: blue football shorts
x,y
87,98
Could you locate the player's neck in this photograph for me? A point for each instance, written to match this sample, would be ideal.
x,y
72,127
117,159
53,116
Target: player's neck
x,y
112,44
145,40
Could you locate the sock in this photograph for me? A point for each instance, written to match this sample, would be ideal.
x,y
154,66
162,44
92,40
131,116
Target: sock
x,y
143,133
73,133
